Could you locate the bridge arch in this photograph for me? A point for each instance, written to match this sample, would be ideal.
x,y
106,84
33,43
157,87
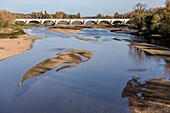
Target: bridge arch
x,y
33,22
62,22
90,22
104,22
76,22
128,22
117,22
48,22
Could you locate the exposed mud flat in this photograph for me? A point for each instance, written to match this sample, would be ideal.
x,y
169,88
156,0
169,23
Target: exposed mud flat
x,y
67,31
68,59
150,97
154,50
85,39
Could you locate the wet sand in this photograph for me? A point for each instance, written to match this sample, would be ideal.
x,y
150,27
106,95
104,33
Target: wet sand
x,y
85,39
67,31
12,47
69,59
149,97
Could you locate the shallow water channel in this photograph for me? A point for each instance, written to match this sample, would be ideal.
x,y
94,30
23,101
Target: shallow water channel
x,y
94,86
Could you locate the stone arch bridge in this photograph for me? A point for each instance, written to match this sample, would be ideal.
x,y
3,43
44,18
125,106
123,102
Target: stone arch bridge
x,y
70,21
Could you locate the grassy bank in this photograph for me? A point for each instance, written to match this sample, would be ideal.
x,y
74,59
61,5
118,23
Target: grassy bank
x,y
14,34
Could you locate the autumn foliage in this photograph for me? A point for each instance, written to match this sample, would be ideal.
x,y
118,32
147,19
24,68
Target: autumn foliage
x,y
6,19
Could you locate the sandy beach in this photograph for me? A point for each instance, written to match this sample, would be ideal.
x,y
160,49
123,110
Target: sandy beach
x,y
12,47
67,31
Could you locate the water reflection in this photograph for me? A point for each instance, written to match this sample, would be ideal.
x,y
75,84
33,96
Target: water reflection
x,y
149,97
67,59
140,56
137,54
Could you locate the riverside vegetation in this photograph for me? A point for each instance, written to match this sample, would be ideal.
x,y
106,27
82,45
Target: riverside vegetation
x,y
150,23
7,28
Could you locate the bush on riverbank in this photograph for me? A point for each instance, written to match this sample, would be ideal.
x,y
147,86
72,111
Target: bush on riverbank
x,y
7,29
12,35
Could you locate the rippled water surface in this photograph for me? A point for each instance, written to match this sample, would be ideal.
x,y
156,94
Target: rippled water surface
x,y
94,86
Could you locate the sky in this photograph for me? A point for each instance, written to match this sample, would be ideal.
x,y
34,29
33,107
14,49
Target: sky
x,y
85,7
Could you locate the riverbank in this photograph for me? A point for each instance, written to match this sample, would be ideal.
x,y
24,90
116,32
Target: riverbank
x,y
150,39
122,30
12,47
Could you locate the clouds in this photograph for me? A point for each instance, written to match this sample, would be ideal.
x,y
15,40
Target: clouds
x,y
85,7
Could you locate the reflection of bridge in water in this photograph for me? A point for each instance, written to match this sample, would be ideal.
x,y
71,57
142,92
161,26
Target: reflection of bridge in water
x,y
71,21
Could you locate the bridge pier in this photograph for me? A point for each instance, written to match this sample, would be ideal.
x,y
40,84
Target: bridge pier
x,y
97,22
41,22
70,22
55,23
27,22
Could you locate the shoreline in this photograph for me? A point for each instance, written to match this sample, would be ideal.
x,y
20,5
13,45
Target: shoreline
x,y
14,47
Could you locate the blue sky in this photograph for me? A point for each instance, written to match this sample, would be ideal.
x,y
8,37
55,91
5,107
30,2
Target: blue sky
x,y
85,7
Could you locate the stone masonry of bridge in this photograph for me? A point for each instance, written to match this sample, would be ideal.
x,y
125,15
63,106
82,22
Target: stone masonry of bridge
x,y
70,21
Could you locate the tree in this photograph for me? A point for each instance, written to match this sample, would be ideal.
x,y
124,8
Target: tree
x,y
78,15
117,15
65,16
41,14
50,16
139,7
167,3
59,15
155,22
45,15
6,19
99,15
165,26
138,18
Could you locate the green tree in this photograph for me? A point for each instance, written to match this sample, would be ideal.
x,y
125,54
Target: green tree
x,y
165,27
138,19
155,22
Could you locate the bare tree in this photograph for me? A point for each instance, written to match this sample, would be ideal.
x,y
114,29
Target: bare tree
x,y
167,3
140,7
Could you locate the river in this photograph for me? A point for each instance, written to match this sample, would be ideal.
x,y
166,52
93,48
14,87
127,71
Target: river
x,y
94,86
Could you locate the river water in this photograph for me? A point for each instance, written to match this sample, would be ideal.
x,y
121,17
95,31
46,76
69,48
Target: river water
x,y
94,86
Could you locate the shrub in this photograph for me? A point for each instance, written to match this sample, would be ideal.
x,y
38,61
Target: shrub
x,y
6,19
